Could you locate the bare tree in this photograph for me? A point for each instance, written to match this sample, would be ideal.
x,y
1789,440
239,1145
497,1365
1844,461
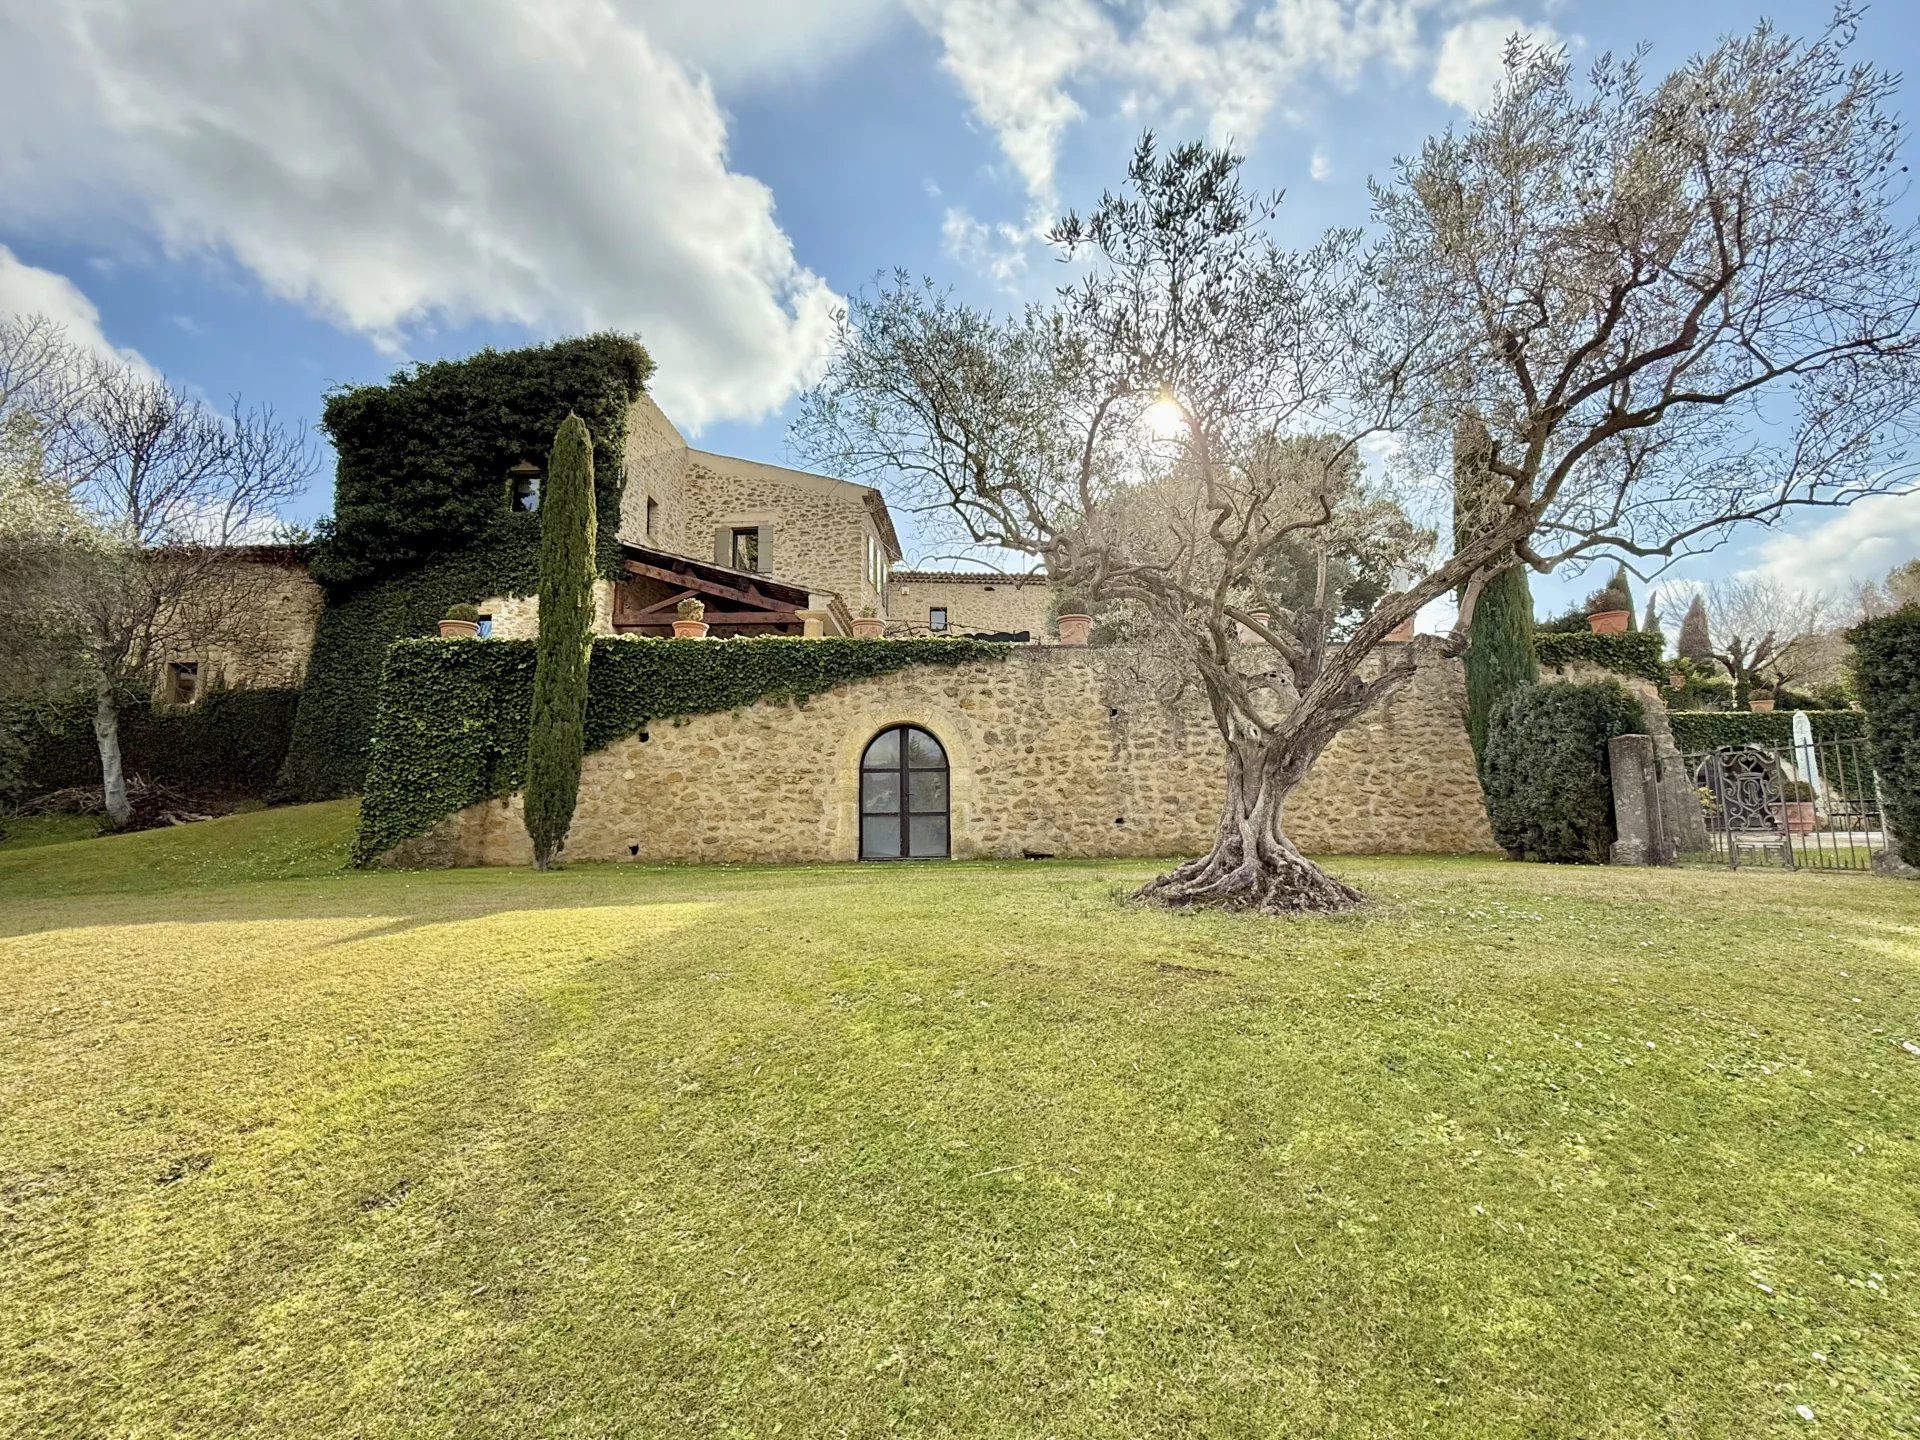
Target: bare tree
x,y
1610,276
139,492
1764,634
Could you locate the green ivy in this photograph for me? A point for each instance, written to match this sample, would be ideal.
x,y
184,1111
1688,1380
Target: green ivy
x,y
453,714
1886,668
229,746
1696,730
1633,652
422,519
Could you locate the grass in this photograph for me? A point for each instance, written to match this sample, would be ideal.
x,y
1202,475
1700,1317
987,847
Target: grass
x,y
959,1150
23,832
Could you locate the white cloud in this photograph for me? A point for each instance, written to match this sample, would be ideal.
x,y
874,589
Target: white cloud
x,y
1029,67
396,167
738,42
1861,542
998,252
1319,167
1473,58
29,290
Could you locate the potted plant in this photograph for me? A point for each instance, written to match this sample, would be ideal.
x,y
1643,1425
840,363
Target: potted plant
x,y
692,621
1795,810
1076,625
868,625
1608,611
1759,701
461,622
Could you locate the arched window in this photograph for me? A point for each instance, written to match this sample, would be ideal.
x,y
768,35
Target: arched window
x,y
903,796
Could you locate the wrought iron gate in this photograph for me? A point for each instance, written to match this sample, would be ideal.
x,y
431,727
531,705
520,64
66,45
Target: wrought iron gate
x,y
1813,804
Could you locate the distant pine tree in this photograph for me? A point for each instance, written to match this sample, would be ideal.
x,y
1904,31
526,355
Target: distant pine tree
x,y
1695,644
1500,654
1650,622
556,733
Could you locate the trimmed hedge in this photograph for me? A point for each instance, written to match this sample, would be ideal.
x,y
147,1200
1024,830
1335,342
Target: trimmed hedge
x,y
423,519
229,746
1549,791
453,716
1886,653
1710,729
1633,652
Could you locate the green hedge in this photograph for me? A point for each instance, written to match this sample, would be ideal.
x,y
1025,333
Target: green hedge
x,y
1710,729
422,521
1633,652
229,746
453,716
1549,791
1886,670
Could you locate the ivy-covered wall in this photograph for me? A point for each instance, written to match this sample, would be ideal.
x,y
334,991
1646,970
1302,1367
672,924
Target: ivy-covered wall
x,y
422,518
229,746
1709,729
1632,652
452,725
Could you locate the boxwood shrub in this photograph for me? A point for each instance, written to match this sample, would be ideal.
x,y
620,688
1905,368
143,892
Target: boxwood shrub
x,y
1549,791
452,723
1886,669
1710,729
1632,652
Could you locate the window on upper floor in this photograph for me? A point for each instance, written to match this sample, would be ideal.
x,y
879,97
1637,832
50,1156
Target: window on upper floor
x,y
746,548
183,682
653,517
485,622
523,485
937,618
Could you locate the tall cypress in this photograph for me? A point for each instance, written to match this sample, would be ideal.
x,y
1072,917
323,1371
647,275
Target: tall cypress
x,y
556,733
1500,654
1623,582
1695,644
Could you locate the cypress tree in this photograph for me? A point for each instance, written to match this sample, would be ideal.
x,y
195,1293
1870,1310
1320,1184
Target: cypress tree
x,y
556,733
1694,643
1500,655
1650,622
1624,584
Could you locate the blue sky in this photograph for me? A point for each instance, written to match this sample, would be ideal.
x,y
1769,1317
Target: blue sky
x,y
277,199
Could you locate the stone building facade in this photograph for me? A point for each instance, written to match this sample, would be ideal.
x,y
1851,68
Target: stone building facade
x,y
268,607
923,602
1048,752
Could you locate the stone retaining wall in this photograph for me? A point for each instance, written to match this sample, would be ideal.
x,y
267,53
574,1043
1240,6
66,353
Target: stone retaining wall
x,y
1049,753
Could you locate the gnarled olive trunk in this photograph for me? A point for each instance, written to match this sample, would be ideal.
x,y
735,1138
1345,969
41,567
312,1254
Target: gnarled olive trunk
x,y
1253,865
113,781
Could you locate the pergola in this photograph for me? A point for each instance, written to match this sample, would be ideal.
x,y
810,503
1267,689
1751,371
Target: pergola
x,y
654,582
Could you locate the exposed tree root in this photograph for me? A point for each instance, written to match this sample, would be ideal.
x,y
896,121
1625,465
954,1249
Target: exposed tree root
x,y
1275,879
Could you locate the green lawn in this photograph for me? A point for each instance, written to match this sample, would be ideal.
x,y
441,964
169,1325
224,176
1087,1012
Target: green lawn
x,y
961,1150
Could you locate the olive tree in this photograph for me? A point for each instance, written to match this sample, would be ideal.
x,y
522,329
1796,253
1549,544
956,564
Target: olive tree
x,y
1610,275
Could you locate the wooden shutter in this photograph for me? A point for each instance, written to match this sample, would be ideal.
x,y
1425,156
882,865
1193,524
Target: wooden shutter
x,y
723,546
766,550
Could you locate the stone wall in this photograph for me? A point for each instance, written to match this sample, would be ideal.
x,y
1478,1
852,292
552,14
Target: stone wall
x,y
656,469
821,526
517,617
1050,752
999,605
275,607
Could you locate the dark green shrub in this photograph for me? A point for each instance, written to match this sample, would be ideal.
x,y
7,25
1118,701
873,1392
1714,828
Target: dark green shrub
x,y
1611,596
228,747
1549,793
1886,673
453,720
1500,653
1697,730
556,730
1567,622
468,613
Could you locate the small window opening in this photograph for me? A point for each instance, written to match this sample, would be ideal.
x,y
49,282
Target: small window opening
x,y
523,485
485,622
937,618
746,548
653,516
183,682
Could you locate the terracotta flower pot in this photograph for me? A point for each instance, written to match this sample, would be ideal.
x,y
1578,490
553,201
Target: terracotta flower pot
x,y
869,628
1609,622
1796,817
1760,704
689,629
1401,634
458,629
1076,629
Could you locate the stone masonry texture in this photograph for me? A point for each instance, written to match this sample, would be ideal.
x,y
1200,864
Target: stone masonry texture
x,y
1048,755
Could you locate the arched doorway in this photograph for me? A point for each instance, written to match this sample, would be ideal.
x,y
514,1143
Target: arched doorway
x,y
903,796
